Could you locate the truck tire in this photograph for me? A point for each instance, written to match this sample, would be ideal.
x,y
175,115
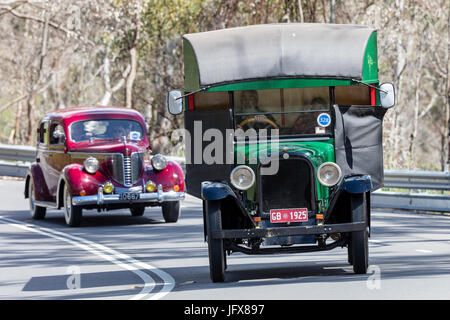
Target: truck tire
x,y
359,243
216,252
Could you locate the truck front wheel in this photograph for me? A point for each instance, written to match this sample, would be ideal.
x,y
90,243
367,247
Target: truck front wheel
x,y
217,263
359,243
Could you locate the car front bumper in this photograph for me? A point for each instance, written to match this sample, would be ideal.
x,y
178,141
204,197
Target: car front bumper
x,y
102,199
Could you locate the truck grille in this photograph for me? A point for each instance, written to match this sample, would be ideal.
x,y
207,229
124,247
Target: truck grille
x,y
291,187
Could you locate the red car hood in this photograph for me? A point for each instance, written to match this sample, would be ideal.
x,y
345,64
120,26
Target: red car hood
x,y
110,147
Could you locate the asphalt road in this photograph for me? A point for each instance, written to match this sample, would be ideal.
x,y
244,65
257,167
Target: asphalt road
x,y
117,256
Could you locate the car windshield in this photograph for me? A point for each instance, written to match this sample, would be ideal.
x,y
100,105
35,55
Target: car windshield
x,y
292,111
105,130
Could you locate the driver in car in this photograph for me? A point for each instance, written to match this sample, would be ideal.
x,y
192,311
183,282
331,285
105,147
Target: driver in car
x,y
249,104
118,132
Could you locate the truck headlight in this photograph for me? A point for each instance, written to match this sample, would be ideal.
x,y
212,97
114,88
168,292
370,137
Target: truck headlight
x,y
242,177
329,174
159,162
91,165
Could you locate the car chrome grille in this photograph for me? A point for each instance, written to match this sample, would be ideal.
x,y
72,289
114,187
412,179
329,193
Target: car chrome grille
x,y
127,171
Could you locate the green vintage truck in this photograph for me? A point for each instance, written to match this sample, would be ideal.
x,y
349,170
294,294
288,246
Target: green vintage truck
x,y
284,137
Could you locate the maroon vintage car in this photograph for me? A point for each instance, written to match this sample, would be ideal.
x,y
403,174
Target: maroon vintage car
x,y
99,158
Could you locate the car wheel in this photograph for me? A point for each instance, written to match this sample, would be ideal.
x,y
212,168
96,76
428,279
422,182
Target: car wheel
x,y
171,211
359,243
37,212
137,211
216,252
72,214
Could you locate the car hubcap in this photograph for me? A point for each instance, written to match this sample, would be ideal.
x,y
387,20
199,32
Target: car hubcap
x,y
31,197
68,205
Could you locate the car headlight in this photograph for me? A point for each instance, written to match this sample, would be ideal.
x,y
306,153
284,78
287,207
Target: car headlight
x,y
242,177
329,174
159,162
91,165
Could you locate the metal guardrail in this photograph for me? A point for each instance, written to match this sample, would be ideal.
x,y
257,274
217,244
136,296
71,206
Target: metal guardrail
x,y
21,156
414,181
17,153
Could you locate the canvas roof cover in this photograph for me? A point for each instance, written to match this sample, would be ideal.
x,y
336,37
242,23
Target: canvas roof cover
x,y
272,51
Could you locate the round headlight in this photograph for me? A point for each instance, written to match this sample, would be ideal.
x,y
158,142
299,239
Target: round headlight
x,y
242,177
91,165
159,162
329,174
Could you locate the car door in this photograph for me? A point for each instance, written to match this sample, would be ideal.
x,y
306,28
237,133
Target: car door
x,y
56,155
42,158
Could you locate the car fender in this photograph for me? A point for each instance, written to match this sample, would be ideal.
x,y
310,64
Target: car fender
x,y
78,179
170,176
41,190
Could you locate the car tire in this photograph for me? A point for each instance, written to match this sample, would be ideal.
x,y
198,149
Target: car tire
x,y
171,211
37,212
137,211
216,252
72,214
359,242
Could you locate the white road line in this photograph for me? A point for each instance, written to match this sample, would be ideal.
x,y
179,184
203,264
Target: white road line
x,y
109,254
424,251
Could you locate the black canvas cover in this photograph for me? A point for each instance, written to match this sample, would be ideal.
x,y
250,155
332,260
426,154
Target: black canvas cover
x,y
311,50
204,127
358,141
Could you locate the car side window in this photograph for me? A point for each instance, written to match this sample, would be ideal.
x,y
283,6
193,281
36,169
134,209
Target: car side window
x,y
56,134
42,137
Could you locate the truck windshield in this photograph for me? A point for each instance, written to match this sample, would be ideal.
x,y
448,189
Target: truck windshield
x,y
105,130
293,111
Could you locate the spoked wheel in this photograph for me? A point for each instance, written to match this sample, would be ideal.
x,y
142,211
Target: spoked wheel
x,y
359,243
72,214
171,211
37,212
137,210
217,257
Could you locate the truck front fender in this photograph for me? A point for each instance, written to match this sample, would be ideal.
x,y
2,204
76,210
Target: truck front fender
x,y
357,184
216,190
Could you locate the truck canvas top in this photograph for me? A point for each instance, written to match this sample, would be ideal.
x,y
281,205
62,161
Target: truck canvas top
x,y
277,51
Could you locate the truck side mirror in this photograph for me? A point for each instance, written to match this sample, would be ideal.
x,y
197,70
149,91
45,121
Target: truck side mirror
x,y
387,95
175,102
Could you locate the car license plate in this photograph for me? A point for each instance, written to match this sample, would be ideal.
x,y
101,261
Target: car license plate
x,y
129,196
288,215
